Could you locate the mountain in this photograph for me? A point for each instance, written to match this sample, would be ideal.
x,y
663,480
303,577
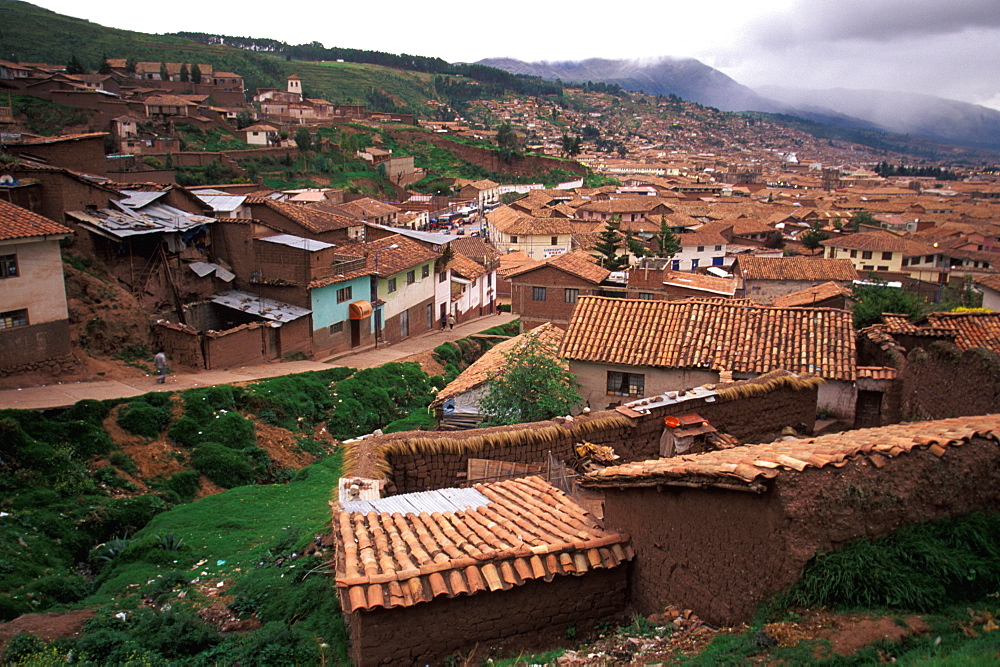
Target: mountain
x,y
907,113
687,78
925,116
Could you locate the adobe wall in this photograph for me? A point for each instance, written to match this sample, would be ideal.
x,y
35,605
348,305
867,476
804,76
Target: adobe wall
x,y
722,553
554,309
43,346
937,381
181,346
524,616
752,419
246,344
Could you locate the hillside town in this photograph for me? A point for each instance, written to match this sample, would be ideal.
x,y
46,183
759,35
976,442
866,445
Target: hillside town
x,y
778,344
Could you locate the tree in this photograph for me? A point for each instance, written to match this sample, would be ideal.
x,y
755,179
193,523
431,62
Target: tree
x,y
164,74
608,243
622,151
635,246
185,77
667,243
130,65
195,73
531,385
875,298
303,138
862,218
774,240
74,66
506,141
813,238
244,119
105,67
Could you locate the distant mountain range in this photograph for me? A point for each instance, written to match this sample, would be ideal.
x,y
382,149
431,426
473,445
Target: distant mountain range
x,y
927,116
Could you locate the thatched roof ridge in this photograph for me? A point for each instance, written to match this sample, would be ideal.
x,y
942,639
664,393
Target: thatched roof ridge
x,y
765,384
369,457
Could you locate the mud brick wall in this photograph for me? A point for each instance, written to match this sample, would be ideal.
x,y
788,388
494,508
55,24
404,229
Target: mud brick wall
x,y
522,616
182,347
240,346
937,379
722,553
753,419
34,344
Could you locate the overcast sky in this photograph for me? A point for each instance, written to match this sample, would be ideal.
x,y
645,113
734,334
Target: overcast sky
x,y
948,48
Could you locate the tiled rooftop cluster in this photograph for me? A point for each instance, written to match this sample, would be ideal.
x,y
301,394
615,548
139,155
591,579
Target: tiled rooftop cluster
x,y
712,335
528,530
797,268
19,223
748,467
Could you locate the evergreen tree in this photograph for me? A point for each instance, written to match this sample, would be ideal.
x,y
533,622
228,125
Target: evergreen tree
x,y
164,74
130,65
74,66
185,77
105,67
635,246
606,248
667,243
303,138
506,141
195,73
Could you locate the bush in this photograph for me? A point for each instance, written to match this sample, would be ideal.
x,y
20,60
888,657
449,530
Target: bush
x,y
143,419
124,516
22,646
222,465
89,410
123,461
186,431
184,485
230,429
60,588
11,608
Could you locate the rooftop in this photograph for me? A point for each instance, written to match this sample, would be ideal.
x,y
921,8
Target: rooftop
x,y
20,223
795,268
526,530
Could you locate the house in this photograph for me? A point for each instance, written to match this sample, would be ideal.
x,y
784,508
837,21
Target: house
x,y
307,221
403,287
472,288
626,209
482,564
781,503
262,134
765,279
624,349
699,249
484,191
510,230
82,152
646,282
368,210
509,263
548,291
989,285
457,405
882,251
34,319
825,295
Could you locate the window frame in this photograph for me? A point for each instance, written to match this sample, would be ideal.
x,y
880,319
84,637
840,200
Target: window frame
x,y
9,267
390,285
570,294
538,294
617,381
411,277
13,319
345,293
425,270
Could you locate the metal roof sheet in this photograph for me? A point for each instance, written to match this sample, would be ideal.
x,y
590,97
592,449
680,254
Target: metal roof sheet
x,y
269,309
441,500
297,242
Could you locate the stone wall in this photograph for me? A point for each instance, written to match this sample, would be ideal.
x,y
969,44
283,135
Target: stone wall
x,y
429,632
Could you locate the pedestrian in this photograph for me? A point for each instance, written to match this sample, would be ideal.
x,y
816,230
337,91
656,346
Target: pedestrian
x,y
160,361
451,322
444,321
499,308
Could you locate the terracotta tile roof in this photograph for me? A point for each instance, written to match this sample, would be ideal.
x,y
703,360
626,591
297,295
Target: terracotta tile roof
x,y
59,138
578,264
475,247
510,221
974,329
699,333
749,467
880,241
311,218
478,372
900,324
20,223
694,281
513,261
364,208
526,529
465,267
991,281
407,254
795,268
811,295
638,204
705,238
876,372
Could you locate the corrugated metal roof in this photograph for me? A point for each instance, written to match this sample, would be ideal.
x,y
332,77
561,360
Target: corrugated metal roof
x,y
269,309
441,500
222,202
297,242
139,198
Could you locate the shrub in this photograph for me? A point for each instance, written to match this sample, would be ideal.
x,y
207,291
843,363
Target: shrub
x,y
143,419
186,431
230,429
11,608
22,646
60,588
184,484
222,465
124,516
88,410
123,461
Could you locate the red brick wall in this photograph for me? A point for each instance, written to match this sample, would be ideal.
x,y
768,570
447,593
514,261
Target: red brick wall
x,y
86,155
36,347
554,309
531,615
244,345
418,323
722,553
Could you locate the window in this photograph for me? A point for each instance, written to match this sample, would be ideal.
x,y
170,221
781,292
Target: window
x,y
411,277
646,296
866,254
442,276
430,316
336,328
694,264
675,265
570,294
887,256
555,240
867,267
718,248
8,266
701,248
391,285
489,279
14,318
538,294
854,253
425,270
344,294
513,239
883,268
717,261
626,384
928,259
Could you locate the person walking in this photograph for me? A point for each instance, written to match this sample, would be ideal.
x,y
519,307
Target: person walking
x,y
444,322
160,361
451,321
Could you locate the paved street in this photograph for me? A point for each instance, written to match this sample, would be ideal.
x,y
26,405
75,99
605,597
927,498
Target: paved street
x,y
66,394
